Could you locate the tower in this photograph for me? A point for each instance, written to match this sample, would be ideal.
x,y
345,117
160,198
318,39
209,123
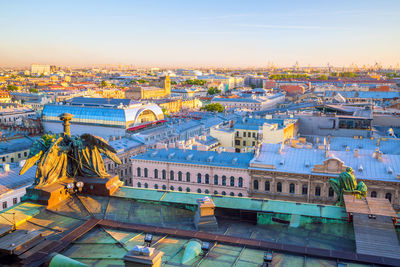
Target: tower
x,y
166,84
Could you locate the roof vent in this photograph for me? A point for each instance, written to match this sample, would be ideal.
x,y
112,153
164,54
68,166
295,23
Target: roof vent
x,y
154,154
282,162
234,161
360,168
170,156
389,170
307,164
210,158
189,157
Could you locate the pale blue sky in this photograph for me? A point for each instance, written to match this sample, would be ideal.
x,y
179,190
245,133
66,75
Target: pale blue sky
x,y
199,33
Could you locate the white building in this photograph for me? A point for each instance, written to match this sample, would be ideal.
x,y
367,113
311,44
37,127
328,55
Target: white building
x,y
37,69
12,185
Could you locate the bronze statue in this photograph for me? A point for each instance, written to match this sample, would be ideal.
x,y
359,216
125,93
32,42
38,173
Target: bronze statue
x,y
64,156
346,183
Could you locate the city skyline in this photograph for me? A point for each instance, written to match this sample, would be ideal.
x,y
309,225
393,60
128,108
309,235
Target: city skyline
x,y
205,34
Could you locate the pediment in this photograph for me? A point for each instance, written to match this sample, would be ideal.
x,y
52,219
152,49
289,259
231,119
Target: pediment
x,y
330,165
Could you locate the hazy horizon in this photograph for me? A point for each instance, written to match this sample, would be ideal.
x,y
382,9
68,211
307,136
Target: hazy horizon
x,y
203,34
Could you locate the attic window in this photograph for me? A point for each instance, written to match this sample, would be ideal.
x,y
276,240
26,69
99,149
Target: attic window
x,y
389,170
189,157
282,162
360,168
153,154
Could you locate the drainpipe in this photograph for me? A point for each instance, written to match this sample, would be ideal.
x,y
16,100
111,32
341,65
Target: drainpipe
x,y
309,188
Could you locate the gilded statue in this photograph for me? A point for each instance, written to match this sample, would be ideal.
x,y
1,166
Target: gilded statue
x,y
346,183
61,156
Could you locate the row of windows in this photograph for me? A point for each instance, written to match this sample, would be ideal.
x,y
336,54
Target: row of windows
x,y
187,177
5,204
387,195
19,156
164,187
249,134
237,142
292,187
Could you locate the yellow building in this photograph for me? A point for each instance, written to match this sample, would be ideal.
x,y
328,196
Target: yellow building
x,y
177,105
158,89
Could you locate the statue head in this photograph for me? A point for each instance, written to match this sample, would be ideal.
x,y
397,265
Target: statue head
x,y
349,170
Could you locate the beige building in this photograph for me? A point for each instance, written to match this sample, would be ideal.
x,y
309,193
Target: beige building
x,y
301,172
158,89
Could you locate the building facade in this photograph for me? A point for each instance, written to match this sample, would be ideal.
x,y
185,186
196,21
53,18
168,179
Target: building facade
x,y
207,172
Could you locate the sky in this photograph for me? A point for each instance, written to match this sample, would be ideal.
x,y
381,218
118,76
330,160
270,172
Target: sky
x,y
186,33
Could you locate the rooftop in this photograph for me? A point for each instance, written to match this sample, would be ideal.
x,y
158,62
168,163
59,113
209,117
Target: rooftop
x,y
210,158
125,218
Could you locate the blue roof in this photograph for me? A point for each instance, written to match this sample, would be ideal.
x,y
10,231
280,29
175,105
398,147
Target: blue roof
x,y
223,99
209,158
89,101
364,94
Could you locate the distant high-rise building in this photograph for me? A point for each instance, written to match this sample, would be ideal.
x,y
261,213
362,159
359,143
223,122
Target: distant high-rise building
x,y
37,69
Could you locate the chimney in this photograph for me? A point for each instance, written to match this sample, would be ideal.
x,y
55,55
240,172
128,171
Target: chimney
x,y
143,256
356,153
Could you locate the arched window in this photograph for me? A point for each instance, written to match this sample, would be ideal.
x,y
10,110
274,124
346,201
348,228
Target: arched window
x,y
207,179
388,196
164,187
146,185
317,191
187,189
223,193
146,172
156,186
138,172
180,189
232,194
172,187
373,194
240,183
171,175
188,177
291,188
267,186
164,174
223,180
207,191
331,193
139,184
304,189
216,179
255,185
279,187
180,176
199,178
156,173
215,192
240,194
232,181
199,190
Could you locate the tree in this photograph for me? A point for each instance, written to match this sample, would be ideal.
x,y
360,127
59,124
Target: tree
x,y
142,81
113,85
213,107
213,91
33,90
103,83
12,87
323,77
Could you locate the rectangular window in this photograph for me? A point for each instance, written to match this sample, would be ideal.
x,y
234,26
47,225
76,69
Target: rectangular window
x,y
237,142
15,200
19,155
244,134
244,143
4,204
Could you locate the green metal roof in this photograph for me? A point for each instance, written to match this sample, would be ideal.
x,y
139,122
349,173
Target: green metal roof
x,y
243,203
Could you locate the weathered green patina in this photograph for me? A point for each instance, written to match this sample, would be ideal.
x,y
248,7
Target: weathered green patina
x,y
64,156
347,183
